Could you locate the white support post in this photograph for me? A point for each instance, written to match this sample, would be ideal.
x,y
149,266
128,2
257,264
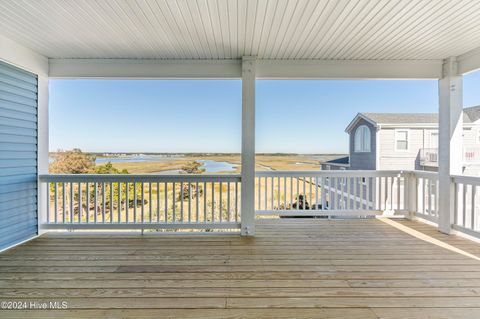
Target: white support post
x,y
248,146
42,154
450,140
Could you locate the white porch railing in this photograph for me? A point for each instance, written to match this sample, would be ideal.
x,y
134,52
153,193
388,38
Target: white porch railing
x,y
213,201
466,207
142,201
330,193
425,196
429,156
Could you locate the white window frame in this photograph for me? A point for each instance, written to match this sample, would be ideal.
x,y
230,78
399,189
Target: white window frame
x,y
369,144
408,140
477,136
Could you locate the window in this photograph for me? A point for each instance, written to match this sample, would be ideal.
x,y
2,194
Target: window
x,y
401,140
362,139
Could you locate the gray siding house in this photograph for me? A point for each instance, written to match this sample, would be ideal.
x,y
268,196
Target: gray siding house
x,y
405,141
397,141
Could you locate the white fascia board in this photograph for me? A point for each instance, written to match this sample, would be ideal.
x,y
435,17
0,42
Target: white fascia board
x,y
356,119
418,125
407,125
231,69
349,69
20,56
469,62
145,69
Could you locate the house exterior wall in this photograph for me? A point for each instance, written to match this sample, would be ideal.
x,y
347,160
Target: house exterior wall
x,y
16,55
392,159
389,158
363,160
469,135
18,149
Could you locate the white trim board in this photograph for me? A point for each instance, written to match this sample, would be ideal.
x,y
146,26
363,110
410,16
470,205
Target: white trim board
x,y
469,61
15,54
231,69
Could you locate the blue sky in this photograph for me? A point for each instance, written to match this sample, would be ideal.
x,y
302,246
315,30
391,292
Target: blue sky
x,y
204,116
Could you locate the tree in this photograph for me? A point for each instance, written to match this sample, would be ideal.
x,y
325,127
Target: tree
x,y
192,168
73,162
108,168
70,162
190,190
77,162
134,198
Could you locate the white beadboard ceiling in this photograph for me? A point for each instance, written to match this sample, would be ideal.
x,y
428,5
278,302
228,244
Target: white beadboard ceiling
x,y
229,29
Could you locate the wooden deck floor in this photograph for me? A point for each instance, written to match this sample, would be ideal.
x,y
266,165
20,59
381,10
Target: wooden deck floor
x,y
296,268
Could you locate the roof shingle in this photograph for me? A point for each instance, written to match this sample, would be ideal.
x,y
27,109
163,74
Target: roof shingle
x,y
470,114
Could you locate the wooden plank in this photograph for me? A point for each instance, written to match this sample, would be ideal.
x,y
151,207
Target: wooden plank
x,y
432,313
358,313
260,275
238,292
244,262
266,303
145,282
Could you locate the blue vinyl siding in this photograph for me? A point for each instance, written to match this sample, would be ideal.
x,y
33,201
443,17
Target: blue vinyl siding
x,y
18,155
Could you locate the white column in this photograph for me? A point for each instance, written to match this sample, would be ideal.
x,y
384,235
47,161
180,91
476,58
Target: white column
x,y
43,145
248,146
450,151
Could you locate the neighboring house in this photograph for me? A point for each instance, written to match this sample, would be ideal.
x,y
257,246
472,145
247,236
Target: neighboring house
x,y
396,141
405,141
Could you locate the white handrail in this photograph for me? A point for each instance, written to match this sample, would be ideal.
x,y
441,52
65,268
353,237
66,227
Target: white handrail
x,y
466,179
139,177
332,173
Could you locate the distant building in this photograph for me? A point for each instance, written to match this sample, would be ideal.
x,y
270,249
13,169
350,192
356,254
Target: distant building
x,y
395,141
405,141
